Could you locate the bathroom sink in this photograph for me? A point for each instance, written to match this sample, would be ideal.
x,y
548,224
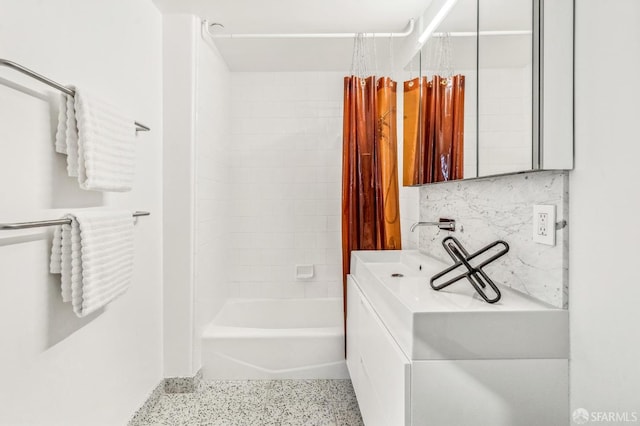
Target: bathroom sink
x,y
407,263
455,323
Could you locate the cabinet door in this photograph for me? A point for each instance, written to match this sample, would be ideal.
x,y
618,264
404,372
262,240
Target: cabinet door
x,y
379,370
496,392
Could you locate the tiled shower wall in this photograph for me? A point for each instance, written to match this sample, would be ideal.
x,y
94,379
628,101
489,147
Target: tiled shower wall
x,y
212,141
285,159
285,172
502,208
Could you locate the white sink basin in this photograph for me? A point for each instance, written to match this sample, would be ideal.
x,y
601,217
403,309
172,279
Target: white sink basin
x,y
455,323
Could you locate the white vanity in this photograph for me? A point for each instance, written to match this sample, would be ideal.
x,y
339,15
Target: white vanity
x,y
422,357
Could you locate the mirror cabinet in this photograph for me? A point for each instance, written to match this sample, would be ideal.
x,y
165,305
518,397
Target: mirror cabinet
x,y
492,92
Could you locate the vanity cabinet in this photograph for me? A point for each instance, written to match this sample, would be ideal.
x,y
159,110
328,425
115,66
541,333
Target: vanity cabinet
x,y
380,372
394,390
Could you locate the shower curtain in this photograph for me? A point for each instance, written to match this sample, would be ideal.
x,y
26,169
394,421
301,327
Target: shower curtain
x,y
387,149
417,158
433,129
370,202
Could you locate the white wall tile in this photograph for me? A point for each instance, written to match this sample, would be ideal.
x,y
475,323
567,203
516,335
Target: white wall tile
x,y
335,289
286,165
316,289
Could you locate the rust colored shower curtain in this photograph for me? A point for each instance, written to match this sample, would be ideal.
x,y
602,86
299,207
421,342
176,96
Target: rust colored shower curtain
x,y
370,201
417,158
433,130
387,155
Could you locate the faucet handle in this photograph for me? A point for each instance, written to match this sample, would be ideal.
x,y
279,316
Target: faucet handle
x,y
448,224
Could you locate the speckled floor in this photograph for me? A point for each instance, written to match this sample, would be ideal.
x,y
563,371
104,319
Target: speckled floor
x,y
260,402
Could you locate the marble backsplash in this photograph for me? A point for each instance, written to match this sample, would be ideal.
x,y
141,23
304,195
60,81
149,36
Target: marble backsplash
x,y
501,207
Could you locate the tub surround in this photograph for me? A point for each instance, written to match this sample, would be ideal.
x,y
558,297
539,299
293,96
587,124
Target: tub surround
x,y
275,338
501,208
285,167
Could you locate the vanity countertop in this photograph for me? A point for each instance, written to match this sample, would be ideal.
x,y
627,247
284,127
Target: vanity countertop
x,y
455,322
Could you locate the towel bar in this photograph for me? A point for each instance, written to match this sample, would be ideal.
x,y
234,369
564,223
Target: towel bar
x,y
53,222
58,86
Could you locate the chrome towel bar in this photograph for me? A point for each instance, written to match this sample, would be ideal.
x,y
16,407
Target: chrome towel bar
x,y
43,223
49,82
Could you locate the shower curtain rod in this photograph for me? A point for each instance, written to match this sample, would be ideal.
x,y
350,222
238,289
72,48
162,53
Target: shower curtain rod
x,y
482,33
207,25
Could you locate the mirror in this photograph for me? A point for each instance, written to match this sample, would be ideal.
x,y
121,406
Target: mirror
x,y
515,111
505,86
440,106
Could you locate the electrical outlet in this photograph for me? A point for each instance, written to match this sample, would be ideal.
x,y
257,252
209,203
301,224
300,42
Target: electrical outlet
x,y
543,220
544,224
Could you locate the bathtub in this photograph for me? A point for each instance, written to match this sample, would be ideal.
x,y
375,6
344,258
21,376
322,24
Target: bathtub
x,y
275,338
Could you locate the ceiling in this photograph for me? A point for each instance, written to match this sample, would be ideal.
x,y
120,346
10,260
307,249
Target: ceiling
x,y
299,16
351,16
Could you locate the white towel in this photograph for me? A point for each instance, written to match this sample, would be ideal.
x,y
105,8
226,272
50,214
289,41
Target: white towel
x,y
106,150
98,141
70,254
94,256
67,133
71,138
61,255
61,134
55,263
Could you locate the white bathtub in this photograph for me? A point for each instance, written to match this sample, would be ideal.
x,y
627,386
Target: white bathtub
x,y
275,338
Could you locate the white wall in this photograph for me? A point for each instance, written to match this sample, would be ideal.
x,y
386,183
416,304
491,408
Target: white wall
x,y
57,369
179,117
212,179
604,290
286,159
196,189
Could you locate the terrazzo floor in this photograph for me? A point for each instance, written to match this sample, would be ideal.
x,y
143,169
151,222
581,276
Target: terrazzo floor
x,y
259,402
